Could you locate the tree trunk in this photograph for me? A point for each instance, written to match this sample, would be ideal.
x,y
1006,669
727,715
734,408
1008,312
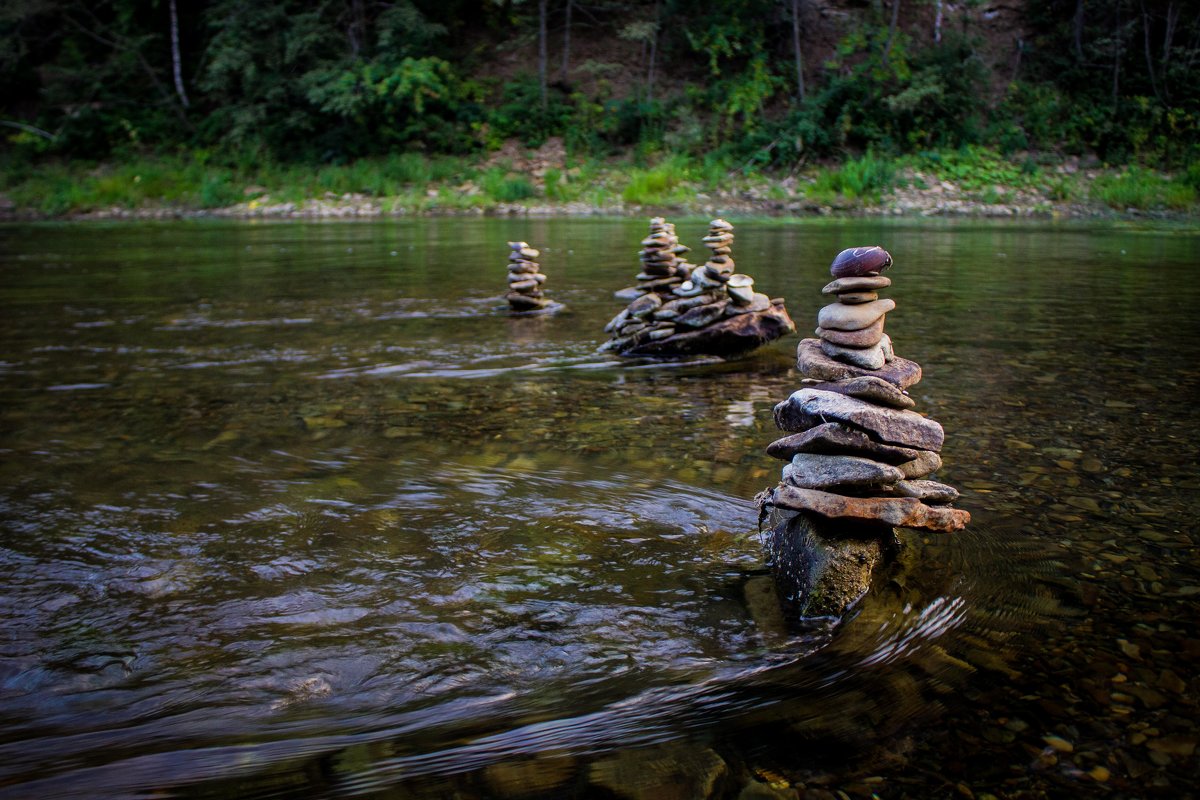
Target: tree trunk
x,y
176,61
1116,76
566,54
1077,30
653,56
1173,12
887,46
796,47
1146,46
542,49
937,23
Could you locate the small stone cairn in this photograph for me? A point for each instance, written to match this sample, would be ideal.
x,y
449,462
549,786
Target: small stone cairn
x,y
856,450
525,279
712,311
663,265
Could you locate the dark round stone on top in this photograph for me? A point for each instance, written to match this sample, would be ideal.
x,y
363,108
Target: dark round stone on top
x,y
859,261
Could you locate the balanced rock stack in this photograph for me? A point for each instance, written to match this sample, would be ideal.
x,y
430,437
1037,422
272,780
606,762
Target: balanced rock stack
x,y
525,279
856,449
713,311
663,265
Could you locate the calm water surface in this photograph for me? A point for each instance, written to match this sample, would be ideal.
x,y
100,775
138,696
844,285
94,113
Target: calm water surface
x,y
297,510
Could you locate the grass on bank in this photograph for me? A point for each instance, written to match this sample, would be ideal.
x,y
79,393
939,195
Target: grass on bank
x,y
412,182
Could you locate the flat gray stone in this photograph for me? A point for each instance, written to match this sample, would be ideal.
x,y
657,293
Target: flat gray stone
x,y
927,491
818,471
865,357
864,283
645,305
868,387
700,316
807,408
865,337
813,363
834,438
842,317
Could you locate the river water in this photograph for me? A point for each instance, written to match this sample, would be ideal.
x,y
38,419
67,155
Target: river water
x,y
295,509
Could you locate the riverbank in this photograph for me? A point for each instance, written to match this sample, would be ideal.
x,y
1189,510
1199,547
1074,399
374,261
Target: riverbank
x,y
976,182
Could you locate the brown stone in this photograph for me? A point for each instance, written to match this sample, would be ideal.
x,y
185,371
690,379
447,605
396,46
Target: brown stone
x,y
926,463
866,283
901,512
868,387
832,437
863,337
857,298
842,317
812,363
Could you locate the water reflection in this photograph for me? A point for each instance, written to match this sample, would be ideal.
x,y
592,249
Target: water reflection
x,y
256,521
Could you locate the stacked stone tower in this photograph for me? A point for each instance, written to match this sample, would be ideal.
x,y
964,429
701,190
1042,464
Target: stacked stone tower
x,y
663,264
858,457
525,279
713,312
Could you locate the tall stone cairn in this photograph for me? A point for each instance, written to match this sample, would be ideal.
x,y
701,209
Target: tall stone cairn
x,y
856,450
525,279
691,317
663,265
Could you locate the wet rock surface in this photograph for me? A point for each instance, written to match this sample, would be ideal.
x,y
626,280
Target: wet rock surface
x,y
678,309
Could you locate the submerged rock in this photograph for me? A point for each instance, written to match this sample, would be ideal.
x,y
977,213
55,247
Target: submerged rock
x,y
820,568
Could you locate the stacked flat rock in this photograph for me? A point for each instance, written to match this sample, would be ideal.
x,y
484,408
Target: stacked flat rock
x,y
663,265
525,279
714,311
856,450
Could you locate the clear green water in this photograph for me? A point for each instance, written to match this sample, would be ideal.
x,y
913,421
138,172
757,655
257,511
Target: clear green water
x,y
296,509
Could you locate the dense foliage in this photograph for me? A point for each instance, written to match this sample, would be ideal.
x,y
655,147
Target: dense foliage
x,y
333,81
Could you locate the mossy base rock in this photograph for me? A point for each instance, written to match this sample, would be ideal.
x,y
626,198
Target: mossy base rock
x,y
666,772
730,336
823,568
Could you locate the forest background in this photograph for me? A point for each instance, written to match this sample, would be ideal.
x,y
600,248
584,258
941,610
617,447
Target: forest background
x,y
474,105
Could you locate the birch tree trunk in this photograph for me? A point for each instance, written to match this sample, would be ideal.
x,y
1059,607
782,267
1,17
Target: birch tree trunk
x,y
176,61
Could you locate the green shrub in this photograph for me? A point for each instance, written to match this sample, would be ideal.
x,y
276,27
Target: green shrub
x,y
863,178
1143,189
